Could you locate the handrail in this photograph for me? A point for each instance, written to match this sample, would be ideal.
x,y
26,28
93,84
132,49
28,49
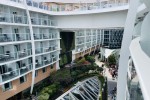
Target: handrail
x,y
15,73
79,7
141,62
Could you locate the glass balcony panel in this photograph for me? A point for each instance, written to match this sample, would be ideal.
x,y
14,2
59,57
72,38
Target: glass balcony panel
x,y
38,50
25,69
18,1
38,64
12,18
24,53
6,37
8,56
37,36
35,4
9,75
53,23
47,49
21,37
46,61
12,74
45,36
34,21
82,6
29,2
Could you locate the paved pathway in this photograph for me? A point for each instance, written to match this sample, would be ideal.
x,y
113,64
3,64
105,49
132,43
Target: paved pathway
x,y
111,83
107,74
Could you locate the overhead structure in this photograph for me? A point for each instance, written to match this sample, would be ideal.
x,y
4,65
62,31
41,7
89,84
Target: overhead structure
x,y
88,89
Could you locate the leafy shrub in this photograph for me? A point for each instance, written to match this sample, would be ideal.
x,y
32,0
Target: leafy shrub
x,y
74,74
81,61
48,91
62,76
43,96
111,59
90,59
100,69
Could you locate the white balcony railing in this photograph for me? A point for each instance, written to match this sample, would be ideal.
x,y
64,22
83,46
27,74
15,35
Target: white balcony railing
x,y
43,21
11,37
79,7
100,4
9,56
45,62
13,18
15,73
45,36
46,49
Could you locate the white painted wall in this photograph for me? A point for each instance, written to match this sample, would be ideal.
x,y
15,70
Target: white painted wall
x,y
137,29
145,29
101,20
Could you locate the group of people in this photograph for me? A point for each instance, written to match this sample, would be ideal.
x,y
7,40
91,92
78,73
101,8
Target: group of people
x,y
113,93
113,71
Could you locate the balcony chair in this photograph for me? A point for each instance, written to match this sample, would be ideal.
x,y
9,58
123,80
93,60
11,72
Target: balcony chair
x,y
29,3
44,36
2,19
2,58
45,22
22,53
35,4
37,63
6,38
19,38
24,68
40,5
35,37
45,61
7,55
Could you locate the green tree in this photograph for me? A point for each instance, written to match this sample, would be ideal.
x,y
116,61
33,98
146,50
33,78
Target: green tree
x,y
100,69
111,59
90,59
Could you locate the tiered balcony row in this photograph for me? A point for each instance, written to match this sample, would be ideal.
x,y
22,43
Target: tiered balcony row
x,y
20,19
94,43
80,42
15,73
13,18
80,48
45,36
45,61
88,45
46,49
11,37
10,56
80,34
43,21
88,39
77,7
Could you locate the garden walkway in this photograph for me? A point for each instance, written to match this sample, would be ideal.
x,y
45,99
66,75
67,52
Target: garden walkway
x,y
111,83
106,72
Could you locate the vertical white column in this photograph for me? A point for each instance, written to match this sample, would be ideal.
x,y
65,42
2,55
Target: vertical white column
x,y
58,43
75,40
96,40
100,37
85,34
91,41
33,45
124,53
109,37
57,65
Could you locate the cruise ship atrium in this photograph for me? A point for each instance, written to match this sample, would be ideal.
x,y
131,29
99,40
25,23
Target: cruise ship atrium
x,y
74,49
